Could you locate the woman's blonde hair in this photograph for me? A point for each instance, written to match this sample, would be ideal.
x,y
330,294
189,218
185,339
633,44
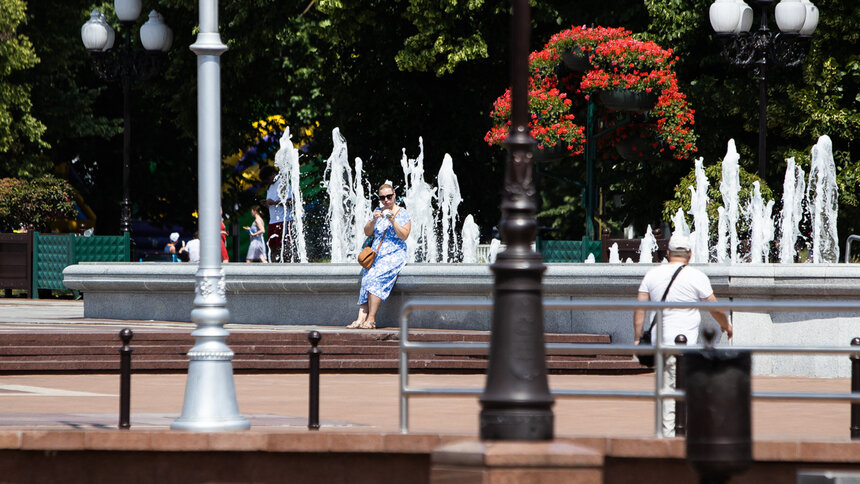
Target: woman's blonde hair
x,y
383,186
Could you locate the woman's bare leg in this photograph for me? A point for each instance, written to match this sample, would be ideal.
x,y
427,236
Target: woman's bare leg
x,y
373,303
362,316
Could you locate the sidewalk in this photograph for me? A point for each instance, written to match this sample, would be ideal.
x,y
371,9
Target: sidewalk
x,y
363,402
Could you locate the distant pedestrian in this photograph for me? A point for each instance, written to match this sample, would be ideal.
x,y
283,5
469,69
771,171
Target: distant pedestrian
x,y
676,282
280,216
257,249
172,246
192,248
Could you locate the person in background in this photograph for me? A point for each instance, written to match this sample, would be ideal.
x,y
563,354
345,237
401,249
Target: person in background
x,y
172,246
257,249
225,257
192,249
390,224
279,215
679,283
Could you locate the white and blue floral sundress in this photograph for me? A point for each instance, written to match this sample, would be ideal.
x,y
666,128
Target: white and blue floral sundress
x,y
390,259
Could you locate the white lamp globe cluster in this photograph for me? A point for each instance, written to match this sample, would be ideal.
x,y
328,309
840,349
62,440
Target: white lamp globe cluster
x,y
98,36
792,17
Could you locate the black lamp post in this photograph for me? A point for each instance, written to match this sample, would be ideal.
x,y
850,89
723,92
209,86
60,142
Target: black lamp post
x,y
126,66
516,403
732,19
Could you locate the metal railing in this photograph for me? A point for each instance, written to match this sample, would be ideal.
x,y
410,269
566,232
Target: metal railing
x,y
659,349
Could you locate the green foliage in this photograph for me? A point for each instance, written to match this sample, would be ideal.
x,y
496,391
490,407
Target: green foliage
x,y
714,172
34,203
19,129
821,97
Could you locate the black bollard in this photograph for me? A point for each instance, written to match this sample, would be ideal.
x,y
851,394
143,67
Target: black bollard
x,y
314,372
680,405
717,382
855,388
125,378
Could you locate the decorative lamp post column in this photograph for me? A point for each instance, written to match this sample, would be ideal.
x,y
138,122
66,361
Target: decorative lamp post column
x,y
516,403
126,65
210,395
732,19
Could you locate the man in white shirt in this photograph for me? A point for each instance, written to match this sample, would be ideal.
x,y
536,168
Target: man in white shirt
x,y
689,285
279,213
193,249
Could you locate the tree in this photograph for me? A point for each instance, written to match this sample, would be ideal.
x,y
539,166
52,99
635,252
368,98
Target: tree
x,y
819,98
19,129
34,204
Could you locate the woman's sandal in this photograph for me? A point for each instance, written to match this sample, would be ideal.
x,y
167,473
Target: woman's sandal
x,y
355,324
368,325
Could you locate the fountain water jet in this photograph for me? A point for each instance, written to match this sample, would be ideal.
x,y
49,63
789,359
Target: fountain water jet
x,y
730,187
470,236
822,199
699,211
792,211
449,199
287,162
418,198
341,192
647,247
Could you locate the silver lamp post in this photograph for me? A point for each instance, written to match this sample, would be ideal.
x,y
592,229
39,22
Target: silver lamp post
x,y
732,19
126,65
210,395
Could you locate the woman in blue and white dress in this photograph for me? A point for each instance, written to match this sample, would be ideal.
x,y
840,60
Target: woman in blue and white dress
x,y
393,223
257,249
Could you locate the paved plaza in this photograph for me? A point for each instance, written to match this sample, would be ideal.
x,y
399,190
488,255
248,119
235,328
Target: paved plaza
x,y
361,402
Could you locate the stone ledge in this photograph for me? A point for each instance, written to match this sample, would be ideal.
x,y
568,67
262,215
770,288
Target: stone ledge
x,y
339,441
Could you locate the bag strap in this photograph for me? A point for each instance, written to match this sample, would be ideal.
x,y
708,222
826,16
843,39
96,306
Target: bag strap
x,y
654,321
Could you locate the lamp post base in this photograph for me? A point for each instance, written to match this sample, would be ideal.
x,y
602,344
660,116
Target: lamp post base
x,y
210,399
516,424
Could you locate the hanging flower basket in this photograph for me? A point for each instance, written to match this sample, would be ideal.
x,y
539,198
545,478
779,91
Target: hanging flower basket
x,y
613,67
627,100
551,153
576,60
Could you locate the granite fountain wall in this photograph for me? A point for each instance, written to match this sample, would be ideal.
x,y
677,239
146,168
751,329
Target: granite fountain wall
x,y
326,294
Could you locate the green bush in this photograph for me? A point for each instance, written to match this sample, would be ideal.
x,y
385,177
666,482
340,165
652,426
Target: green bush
x,y
35,202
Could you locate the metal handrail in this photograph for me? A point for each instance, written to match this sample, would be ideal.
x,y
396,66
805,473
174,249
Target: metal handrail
x,y
659,349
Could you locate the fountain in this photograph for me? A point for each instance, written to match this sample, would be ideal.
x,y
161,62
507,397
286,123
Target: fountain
x,y
326,293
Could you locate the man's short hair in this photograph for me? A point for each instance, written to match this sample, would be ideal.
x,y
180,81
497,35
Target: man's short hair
x,y
266,172
680,253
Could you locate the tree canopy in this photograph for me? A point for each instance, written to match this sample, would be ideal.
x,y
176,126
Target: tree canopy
x,y
387,72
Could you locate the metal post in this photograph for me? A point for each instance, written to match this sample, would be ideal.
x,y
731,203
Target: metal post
x,y
590,158
210,395
680,405
762,117
314,387
855,388
125,72
719,395
659,368
125,336
516,403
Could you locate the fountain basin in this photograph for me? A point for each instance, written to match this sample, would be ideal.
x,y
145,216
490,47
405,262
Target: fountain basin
x,y
326,294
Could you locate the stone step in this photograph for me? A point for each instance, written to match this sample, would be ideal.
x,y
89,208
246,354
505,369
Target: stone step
x,y
277,350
